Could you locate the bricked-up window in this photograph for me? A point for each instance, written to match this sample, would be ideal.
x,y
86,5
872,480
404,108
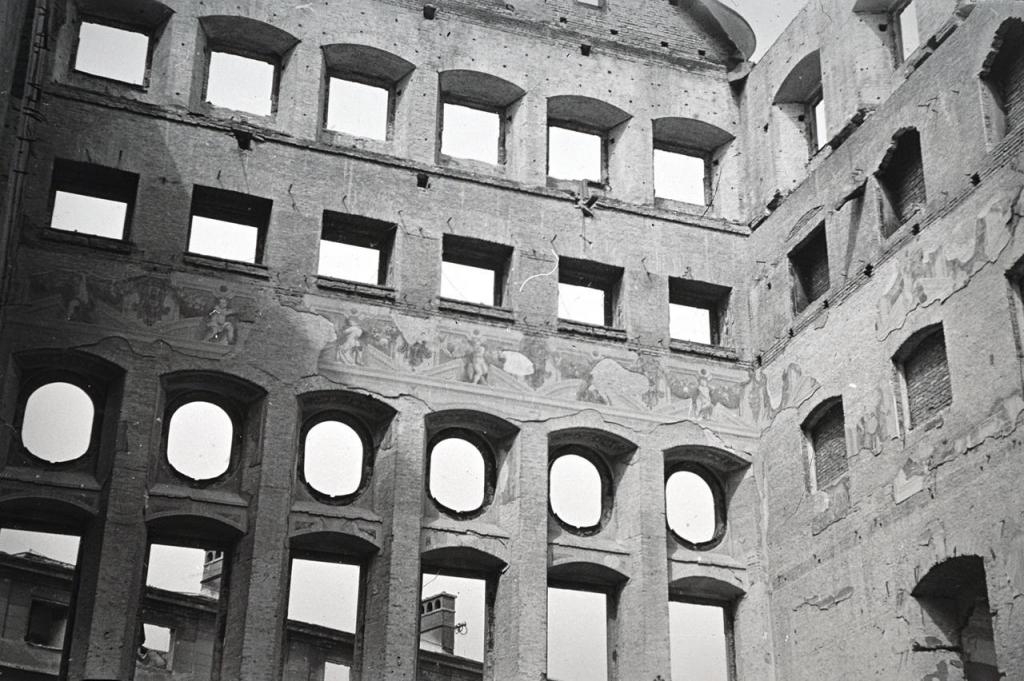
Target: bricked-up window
x,y
92,199
694,506
925,375
696,310
577,635
244,59
581,138
112,52
474,271
588,292
956,617
364,85
1003,72
355,248
901,178
322,592
47,564
826,434
701,641
228,225
905,29
809,265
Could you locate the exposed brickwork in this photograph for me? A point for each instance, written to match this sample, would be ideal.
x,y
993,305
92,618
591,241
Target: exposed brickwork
x,y
810,269
926,374
903,179
828,442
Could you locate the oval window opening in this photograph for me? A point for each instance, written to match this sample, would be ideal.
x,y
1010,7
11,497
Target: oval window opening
x,y
199,440
690,507
575,491
457,475
333,459
57,426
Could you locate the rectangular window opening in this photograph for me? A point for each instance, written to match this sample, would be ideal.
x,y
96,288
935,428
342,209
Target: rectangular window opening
x,y
111,52
696,311
228,225
473,271
323,614
909,37
357,108
809,265
155,648
575,155
91,199
588,292
681,177
241,83
817,126
355,248
577,635
902,182
471,133
453,620
41,565
701,641
827,437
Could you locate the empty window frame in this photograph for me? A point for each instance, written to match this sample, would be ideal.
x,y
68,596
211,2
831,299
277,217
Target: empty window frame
x,y
460,473
808,264
41,567
156,649
335,460
474,271
588,292
577,634
575,154
454,618
228,225
579,490
696,311
201,440
1003,73
694,506
825,430
801,107
355,248
902,182
906,34
473,133
324,606
63,402
923,370
116,52
817,123
701,641
91,199
357,108
681,176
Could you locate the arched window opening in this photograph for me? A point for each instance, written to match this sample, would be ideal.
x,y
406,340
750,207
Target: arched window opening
x,y
902,182
686,157
476,109
115,38
957,618
577,491
924,372
58,403
364,85
825,430
1003,73
581,139
458,475
333,458
200,440
801,100
694,506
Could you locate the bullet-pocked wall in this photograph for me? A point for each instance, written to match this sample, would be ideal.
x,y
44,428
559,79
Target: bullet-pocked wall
x,y
915,288
153,332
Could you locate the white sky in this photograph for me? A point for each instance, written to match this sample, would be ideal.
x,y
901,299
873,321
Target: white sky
x,y
679,177
467,283
112,53
689,323
240,83
575,488
574,155
199,440
470,133
228,240
577,635
470,604
581,304
357,109
88,215
457,474
698,648
345,261
690,507
39,431
333,458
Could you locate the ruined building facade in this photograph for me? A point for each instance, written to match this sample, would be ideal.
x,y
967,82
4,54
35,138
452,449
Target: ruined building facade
x,y
852,412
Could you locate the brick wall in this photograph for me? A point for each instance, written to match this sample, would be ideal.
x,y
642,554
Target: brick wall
x,y
903,178
828,439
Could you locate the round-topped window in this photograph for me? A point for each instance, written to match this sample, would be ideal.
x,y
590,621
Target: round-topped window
x,y
458,475
693,507
57,425
333,456
576,492
199,440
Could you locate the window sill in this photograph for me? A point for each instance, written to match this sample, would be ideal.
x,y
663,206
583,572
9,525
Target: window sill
x,y
914,219
355,288
86,79
336,138
501,314
682,206
694,348
594,188
591,331
238,267
471,165
101,243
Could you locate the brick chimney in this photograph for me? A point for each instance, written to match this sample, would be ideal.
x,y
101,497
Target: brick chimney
x,y
437,622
